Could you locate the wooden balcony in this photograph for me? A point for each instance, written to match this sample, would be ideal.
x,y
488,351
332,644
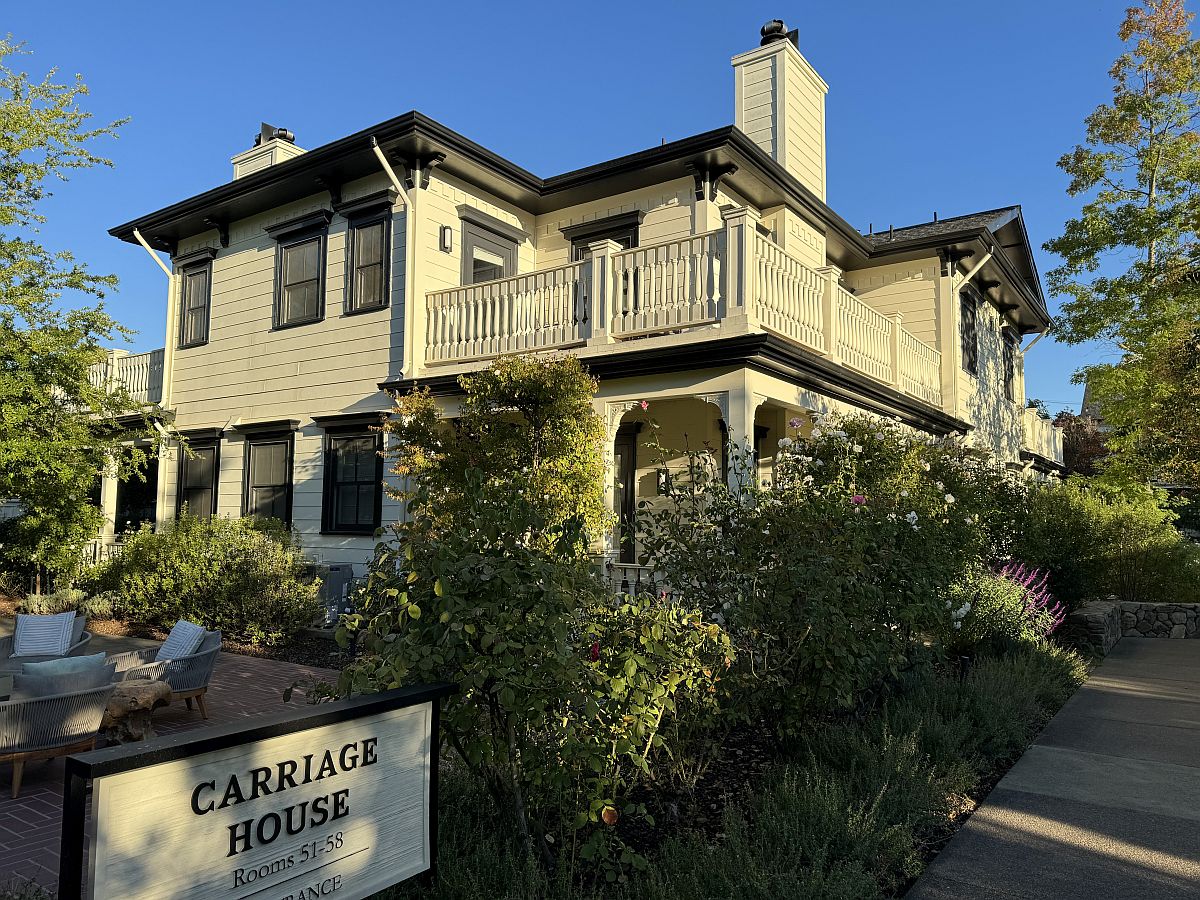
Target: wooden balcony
x,y
1041,436
691,285
141,373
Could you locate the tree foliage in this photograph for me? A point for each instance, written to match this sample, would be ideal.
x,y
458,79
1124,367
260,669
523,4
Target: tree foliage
x,y
1130,260
58,429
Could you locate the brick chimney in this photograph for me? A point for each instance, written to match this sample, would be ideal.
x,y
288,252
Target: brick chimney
x,y
271,145
779,102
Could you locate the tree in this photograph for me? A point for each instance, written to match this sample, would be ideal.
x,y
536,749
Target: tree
x,y
1083,443
58,430
1130,261
528,425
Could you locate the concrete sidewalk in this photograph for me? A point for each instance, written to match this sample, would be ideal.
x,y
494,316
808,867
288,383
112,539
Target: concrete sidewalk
x,y
1106,803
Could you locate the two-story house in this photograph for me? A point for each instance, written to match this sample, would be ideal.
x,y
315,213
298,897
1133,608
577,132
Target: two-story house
x,y
707,276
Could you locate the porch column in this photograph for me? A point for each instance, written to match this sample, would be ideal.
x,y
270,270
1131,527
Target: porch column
x,y
601,296
108,506
741,404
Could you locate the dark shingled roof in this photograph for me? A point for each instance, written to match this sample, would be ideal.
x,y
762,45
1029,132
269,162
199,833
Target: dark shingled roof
x,y
992,219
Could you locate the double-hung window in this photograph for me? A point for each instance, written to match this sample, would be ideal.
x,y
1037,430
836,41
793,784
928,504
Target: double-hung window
x,y
1011,342
353,483
969,331
195,296
300,269
199,469
368,251
267,470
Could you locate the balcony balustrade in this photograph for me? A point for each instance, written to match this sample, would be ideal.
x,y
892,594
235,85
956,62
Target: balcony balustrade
x,y
689,284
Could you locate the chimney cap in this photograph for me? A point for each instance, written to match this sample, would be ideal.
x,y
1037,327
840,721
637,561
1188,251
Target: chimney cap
x,y
775,30
270,132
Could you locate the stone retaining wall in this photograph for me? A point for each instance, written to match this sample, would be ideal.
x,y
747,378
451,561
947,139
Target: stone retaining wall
x,y
1160,620
1095,626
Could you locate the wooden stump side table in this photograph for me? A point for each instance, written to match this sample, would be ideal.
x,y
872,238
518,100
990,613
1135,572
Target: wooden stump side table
x,y
128,715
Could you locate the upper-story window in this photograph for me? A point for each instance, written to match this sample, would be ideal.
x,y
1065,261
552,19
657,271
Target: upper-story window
x,y
368,251
623,229
489,246
300,269
969,331
1011,341
195,296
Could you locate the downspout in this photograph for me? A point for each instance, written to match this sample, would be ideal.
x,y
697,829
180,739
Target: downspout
x,y
409,367
172,304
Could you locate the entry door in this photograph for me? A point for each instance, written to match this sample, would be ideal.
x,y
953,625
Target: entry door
x,y
625,466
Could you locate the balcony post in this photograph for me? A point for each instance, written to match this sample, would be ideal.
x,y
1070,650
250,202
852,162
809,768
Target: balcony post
x,y
599,303
897,327
741,293
829,318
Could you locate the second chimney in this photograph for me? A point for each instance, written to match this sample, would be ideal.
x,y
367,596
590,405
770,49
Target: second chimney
x,y
271,145
779,102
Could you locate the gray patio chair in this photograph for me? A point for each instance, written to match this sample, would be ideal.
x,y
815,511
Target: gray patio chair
x,y
46,727
79,642
188,676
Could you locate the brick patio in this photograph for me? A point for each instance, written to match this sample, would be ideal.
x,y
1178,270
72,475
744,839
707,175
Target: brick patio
x,y
242,687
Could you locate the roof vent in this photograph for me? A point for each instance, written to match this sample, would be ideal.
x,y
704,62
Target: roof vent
x,y
272,146
775,30
270,132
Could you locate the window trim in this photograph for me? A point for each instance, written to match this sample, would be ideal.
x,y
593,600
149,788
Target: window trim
x,y
189,264
1011,343
609,228
967,297
250,437
354,222
289,234
199,440
328,516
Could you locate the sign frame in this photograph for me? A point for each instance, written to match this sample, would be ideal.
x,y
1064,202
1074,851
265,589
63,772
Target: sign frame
x,y
82,768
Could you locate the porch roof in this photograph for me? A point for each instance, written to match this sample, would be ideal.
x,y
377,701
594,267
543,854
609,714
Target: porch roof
x,y
765,353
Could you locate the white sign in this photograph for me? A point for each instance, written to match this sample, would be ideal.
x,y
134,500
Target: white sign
x,y
340,810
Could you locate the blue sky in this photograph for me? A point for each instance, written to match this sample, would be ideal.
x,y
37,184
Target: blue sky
x,y
937,105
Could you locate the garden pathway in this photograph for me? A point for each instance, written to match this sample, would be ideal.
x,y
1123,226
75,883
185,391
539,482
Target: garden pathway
x,y
1106,803
242,686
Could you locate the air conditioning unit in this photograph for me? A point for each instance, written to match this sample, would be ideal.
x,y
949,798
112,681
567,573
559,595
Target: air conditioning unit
x,y
335,585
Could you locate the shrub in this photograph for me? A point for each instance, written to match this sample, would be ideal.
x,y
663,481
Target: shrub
x,y
230,574
996,609
851,814
563,690
826,575
60,601
1097,542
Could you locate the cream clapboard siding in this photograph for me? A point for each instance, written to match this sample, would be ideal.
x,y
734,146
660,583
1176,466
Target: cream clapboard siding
x,y
668,217
804,117
997,419
249,373
908,288
438,206
757,106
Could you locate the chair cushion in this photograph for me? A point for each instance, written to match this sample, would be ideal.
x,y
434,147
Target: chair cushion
x,y
77,629
63,666
28,687
43,635
183,640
